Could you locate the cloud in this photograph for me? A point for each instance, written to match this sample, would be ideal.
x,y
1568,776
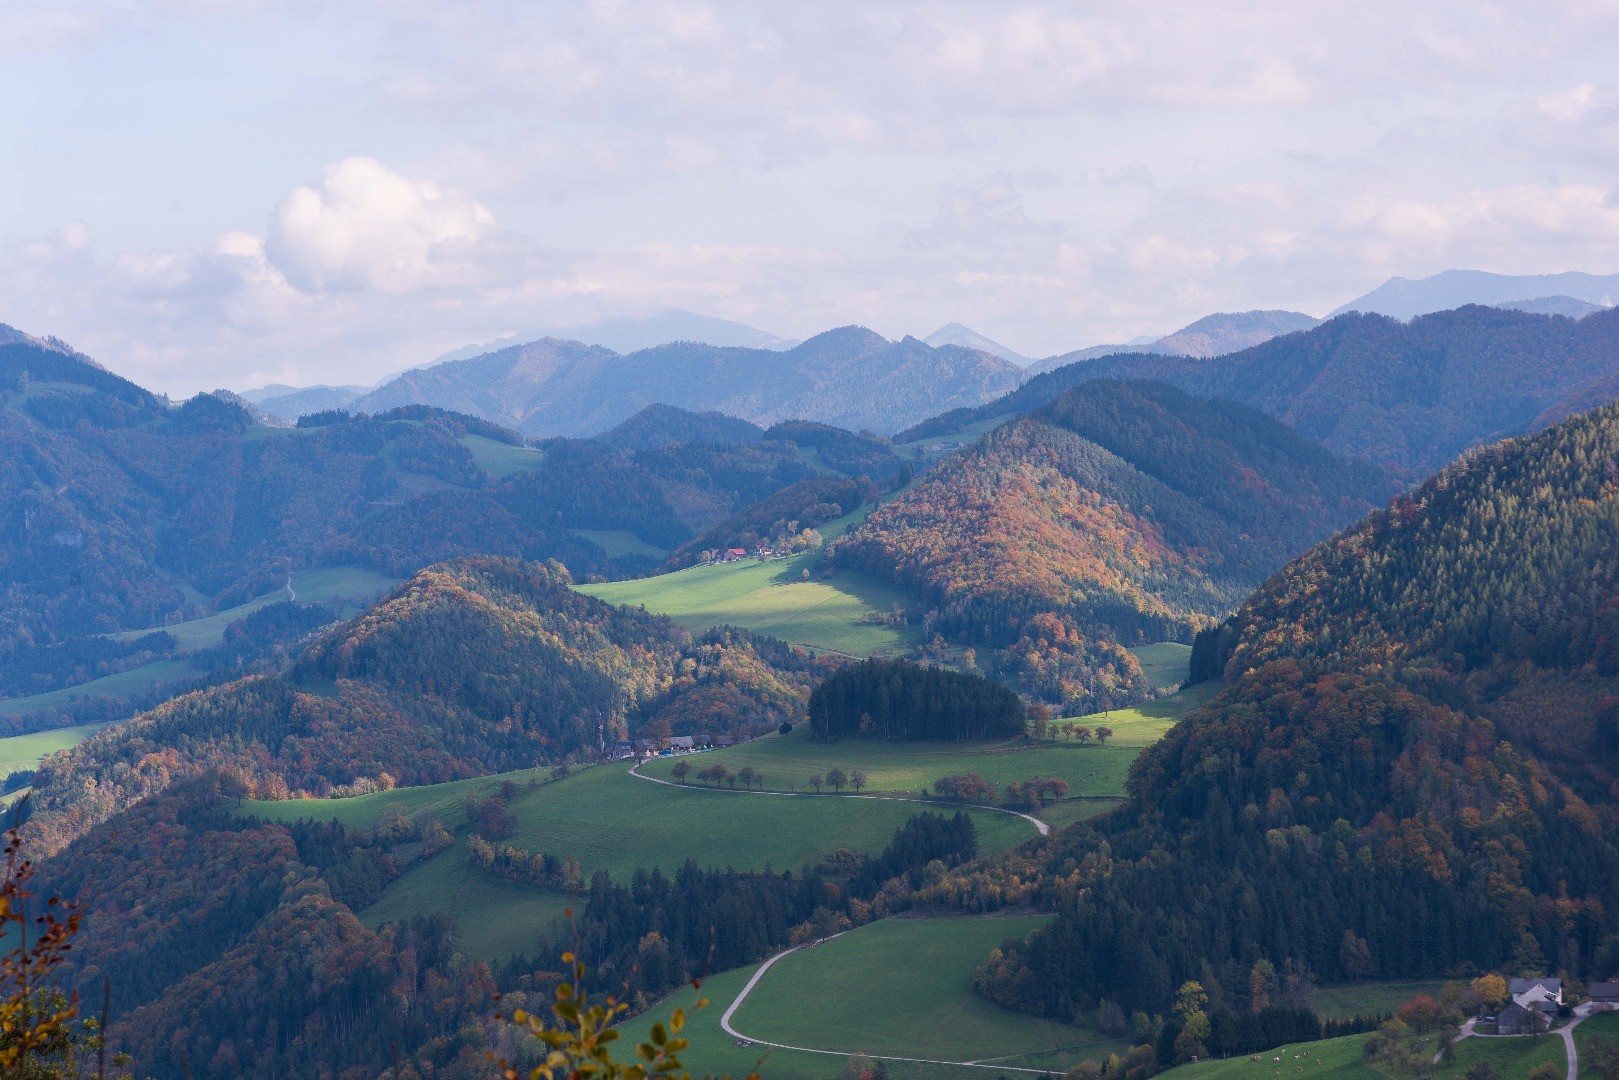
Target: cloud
x,y
367,228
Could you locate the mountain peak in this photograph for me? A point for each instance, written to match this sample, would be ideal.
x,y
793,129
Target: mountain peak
x,y
968,338
1406,298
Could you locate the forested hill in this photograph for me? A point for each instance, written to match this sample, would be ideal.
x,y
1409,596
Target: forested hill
x,y
1121,513
1412,772
472,667
667,425
1499,579
1409,395
850,377
126,513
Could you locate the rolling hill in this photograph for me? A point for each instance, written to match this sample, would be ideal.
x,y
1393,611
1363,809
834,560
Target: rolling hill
x,y
135,515
1412,770
470,668
849,377
666,425
1407,395
1119,514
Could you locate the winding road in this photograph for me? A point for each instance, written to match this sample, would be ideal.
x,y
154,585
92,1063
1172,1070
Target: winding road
x,y
725,1020
1581,1012
1039,826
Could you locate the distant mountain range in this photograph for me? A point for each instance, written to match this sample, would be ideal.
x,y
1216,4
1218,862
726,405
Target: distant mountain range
x,y
625,334
850,377
1411,395
1212,335
1405,298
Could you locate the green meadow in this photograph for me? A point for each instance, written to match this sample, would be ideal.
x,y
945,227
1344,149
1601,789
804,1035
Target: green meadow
x,y
500,459
903,987
1334,1059
617,543
773,597
1165,663
609,820
1604,1027
788,761
1375,998
20,752
348,589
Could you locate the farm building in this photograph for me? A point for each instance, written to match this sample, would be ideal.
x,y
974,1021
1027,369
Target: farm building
x,y
1605,994
1529,996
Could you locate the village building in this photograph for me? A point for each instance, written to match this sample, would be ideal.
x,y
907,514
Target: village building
x,y
1529,997
1604,995
682,744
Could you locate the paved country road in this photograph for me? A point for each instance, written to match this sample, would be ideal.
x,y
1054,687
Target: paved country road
x,y
1041,827
725,1020
1566,1031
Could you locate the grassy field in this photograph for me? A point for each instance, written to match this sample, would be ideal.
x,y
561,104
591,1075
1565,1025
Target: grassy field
x,y
771,597
1337,1059
1144,724
500,459
904,987
788,761
347,588
1511,1057
131,683
21,752
1165,664
1346,1000
1605,1027
617,542
611,821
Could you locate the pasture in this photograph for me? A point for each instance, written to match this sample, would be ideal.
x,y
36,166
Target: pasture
x,y
788,761
609,820
20,752
347,589
500,459
1333,1059
1165,663
904,987
833,613
1342,1001
618,543
1605,1027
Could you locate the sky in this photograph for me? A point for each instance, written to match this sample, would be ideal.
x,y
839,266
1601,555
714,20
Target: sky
x,y
213,193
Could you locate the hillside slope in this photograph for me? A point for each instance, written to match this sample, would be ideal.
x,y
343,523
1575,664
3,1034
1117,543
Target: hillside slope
x,y
1119,514
1412,772
130,514
1408,395
472,667
850,377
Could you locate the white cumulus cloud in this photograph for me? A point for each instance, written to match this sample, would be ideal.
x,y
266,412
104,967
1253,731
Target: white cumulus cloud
x,y
368,228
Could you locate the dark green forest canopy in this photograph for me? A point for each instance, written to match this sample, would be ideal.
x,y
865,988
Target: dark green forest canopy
x,y
899,700
1412,773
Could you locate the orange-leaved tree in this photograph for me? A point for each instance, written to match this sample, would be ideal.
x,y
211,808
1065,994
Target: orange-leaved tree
x,y
579,1038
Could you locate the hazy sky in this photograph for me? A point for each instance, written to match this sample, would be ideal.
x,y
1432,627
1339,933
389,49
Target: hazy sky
x,y
209,193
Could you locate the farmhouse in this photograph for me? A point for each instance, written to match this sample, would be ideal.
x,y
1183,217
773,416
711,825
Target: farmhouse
x,y
1530,996
682,744
1605,995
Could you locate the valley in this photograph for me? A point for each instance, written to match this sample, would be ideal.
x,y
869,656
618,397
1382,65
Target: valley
x,y
413,638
